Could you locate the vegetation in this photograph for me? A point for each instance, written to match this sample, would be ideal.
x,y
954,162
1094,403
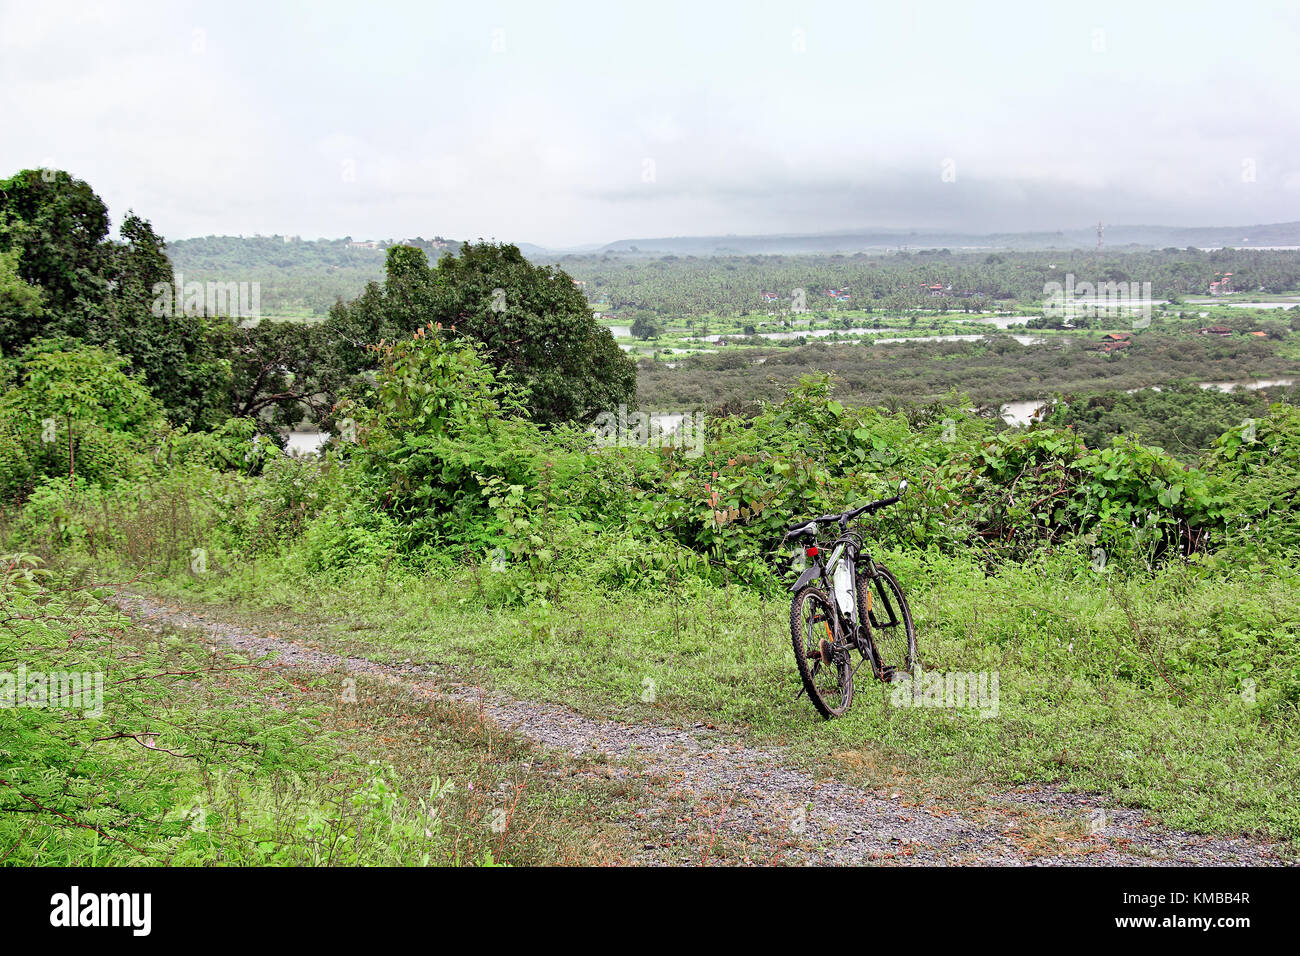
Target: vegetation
x,y
1135,594
731,286
198,758
991,371
1181,417
304,278
532,323
299,278
54,231
513,548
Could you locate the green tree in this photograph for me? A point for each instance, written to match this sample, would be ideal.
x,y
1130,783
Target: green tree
x,y
20,302
646,326
532,324
54,236
60,225
70,396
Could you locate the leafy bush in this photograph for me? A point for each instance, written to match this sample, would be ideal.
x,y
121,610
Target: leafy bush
x,y
75,412
1255,469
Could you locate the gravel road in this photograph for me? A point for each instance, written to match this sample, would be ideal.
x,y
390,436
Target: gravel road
x,y
759,800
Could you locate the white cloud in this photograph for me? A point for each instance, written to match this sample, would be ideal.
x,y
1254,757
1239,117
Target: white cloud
x,y
239,118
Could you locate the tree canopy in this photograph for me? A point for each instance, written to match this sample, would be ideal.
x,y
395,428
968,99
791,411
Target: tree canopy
x,y
62,275
532,323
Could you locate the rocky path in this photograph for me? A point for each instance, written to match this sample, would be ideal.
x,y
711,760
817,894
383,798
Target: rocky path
x,y
756,799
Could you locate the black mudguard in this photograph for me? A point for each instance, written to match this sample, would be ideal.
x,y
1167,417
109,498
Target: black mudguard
x,y
813,573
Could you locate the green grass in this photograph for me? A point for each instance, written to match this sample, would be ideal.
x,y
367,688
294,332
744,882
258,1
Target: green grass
x,y
200,758
1089,698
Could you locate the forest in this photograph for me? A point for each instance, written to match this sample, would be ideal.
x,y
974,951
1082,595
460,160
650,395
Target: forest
x,y
304,278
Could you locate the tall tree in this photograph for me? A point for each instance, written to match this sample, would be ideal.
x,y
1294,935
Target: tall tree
x,y
60,225
54,235
531,323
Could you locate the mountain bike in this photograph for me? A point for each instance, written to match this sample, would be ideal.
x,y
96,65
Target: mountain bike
x,y
844,603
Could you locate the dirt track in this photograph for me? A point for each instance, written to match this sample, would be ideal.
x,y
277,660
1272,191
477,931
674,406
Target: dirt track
x,y
760,800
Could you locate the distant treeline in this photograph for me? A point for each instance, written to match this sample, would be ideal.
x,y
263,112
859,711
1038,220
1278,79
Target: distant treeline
x,y
929,279
297,276
307,277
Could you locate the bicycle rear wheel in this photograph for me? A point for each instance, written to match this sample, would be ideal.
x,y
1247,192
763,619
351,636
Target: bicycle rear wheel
x,y
882,604
823,664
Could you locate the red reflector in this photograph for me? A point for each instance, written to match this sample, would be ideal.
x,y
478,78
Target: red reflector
x,y
812,551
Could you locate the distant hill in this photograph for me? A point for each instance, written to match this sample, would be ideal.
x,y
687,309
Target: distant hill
x,y
1158,237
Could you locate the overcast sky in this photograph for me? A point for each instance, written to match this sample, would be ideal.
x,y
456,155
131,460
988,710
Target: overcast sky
x,y
566,123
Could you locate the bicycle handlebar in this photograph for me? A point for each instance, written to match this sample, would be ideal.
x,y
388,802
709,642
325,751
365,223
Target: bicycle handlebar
x,y
846,515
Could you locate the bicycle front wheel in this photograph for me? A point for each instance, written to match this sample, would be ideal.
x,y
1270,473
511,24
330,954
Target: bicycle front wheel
x,y
882,604
823,663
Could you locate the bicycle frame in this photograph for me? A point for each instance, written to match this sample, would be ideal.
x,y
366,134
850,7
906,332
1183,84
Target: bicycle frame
x,y
838,576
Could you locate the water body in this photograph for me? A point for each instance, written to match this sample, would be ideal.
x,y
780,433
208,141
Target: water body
x,y
1023,413
965,337
1002,321
1251,305
306,442
666,422
884,340
785,336
1102,303
1250,386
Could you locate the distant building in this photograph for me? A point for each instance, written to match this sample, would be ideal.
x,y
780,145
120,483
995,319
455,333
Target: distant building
x,y
1222,284
1216,330
1112,342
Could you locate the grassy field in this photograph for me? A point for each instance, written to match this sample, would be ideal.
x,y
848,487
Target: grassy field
x,y
204,757
1098,688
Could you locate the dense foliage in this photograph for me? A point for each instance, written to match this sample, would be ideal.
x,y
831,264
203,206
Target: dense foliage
x,y
1183,418
532,323
991,371
54,229
966,281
